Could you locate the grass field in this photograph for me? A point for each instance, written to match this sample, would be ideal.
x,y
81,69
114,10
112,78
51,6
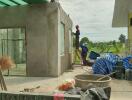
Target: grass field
x,y
118,49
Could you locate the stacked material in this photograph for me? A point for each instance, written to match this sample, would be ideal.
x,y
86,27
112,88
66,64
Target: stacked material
x,y
110,62
105,65
127,62
102,66
112,58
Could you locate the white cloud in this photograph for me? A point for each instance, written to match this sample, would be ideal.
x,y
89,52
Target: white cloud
x,y
93,16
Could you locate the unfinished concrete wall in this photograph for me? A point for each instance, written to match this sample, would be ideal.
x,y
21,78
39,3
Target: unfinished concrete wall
x,y
66,58
41,26
41,22
130,34
120,16
129,25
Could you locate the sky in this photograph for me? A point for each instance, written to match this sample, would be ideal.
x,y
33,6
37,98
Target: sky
x,y
94,18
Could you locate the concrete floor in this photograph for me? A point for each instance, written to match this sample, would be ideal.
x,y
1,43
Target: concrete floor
x,y
121,89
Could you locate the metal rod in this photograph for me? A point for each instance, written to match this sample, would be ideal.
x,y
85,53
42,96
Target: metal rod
x,y
7,51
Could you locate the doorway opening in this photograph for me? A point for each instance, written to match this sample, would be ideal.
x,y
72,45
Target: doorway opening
x,y
12,44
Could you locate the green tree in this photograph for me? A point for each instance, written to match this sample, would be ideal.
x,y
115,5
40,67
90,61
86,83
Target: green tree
x,y
84,40
115,46
122,38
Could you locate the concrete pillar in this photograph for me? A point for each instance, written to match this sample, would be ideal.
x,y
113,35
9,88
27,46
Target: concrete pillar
x,y
130,33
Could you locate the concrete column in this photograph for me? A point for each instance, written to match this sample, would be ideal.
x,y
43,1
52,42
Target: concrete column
x,y
130,34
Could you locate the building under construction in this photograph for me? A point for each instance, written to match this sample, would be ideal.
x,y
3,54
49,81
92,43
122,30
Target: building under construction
x,y
37,36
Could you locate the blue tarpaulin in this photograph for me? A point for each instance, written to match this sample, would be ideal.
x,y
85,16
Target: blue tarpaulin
x,y
126,63
105,65
112,58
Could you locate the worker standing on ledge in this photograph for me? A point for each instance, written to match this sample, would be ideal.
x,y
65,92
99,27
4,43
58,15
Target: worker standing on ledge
x,y
77,51
77,36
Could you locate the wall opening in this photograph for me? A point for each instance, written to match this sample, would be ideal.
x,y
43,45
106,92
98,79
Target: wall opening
x,y
12,43
62,37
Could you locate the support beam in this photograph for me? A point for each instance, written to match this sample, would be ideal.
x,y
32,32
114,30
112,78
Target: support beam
x,y
4,3
15,2
35,1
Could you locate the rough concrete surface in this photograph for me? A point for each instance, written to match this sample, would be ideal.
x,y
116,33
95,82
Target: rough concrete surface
x,y
42,24
121,89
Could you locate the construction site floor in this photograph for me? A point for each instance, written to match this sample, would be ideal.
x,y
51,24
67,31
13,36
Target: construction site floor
x,y
121,89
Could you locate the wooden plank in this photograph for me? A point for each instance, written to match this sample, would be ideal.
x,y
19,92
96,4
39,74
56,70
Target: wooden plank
x,y
2,82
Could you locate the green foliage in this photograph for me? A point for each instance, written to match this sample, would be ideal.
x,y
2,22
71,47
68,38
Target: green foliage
x,y
84,40
103,47
122,38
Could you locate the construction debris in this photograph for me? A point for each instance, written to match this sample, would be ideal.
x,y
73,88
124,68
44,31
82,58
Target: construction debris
x,y
30,89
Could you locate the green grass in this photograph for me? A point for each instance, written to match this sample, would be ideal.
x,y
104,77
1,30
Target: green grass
x,y
118,49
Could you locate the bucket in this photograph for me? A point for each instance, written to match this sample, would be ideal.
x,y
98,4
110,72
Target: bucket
x,y
93,55
84,80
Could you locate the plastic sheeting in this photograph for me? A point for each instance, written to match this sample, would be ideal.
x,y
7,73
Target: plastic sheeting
x,y
112,58
126,63
105,65
94,94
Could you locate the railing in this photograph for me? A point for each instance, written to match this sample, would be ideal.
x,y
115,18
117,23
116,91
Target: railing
x,y
33,96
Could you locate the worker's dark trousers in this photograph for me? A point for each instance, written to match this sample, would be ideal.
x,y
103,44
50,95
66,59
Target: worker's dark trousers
x,y
84,59
77,42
